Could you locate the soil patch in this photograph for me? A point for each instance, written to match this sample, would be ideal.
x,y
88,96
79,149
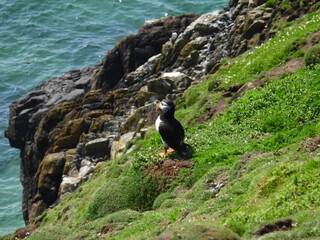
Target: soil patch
x,y
242,162
217,183
312,39
25,232
108,228
168,168
290,66
294,64
282,225
212,111
310,145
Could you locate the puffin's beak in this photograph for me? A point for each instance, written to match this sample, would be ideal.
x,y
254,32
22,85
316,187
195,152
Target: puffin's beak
x,y
158,109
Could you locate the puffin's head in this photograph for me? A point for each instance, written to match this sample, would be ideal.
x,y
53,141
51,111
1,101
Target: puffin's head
x,y
164,106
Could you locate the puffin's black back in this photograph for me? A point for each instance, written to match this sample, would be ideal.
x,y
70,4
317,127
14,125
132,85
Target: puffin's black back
x,y
171,130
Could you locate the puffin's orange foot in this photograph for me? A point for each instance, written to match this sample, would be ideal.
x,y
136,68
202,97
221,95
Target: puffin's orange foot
x,y
165,152
170,150
162,154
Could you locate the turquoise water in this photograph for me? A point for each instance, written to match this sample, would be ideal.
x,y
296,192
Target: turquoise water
x,y
43,39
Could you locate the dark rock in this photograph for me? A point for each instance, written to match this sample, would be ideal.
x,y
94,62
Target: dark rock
x,y
144,97
74,94
233,3
159,85
256,27
27,133
243,46
70,162
205,29
192,59
180,80
282,225
118,147
260,2
37,208
69,135
49,175
98,148
146,113
193,45
134,50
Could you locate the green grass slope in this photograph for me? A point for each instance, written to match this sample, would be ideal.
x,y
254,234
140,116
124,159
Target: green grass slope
x,y
255,163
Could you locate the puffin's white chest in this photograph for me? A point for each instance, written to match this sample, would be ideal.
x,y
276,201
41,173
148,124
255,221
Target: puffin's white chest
x,y
158,121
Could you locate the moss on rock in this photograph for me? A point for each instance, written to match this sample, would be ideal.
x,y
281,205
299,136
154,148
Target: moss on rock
x,y
70,134
49,175
93,96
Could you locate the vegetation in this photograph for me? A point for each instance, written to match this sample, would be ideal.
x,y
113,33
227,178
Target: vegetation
x,y
312,56
161,198
255,163
270,3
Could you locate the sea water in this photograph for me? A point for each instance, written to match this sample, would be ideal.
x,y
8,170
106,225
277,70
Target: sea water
x,y
40,39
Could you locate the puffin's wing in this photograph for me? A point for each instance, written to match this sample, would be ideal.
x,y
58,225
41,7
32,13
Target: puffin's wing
x,y
166,133
179,130
171,133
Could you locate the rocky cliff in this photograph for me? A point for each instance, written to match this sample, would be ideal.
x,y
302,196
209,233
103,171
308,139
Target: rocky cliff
x,y
67,125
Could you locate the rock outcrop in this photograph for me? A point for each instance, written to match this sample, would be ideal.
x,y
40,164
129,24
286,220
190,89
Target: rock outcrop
x,y
78,115
67,125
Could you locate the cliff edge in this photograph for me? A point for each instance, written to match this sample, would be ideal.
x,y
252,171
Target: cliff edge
x,y
68,125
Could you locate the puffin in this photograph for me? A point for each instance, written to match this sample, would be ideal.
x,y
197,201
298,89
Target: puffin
x,y
170,129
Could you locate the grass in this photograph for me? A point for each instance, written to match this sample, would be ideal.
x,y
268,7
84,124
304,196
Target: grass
x,y
254,164
268,55
312,56
134,191
270,3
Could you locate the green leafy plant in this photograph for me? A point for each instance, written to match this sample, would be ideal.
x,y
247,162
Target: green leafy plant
x,y
213,83
285,5
270,3
299,53
161,198
134,191
312,55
